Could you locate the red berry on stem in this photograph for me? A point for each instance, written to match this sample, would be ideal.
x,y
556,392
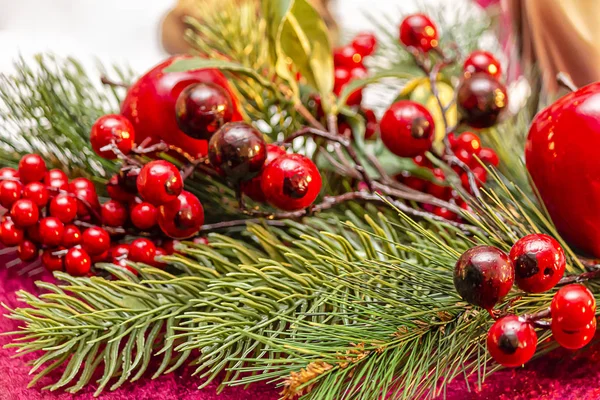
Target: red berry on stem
x,y
407,129
10,235
252,188
488,156
434,188
573,339
144,216
77,262
346,57
113,213
95,240
118,192
365,44
71,236
511,341
418,31
481,99
480,175
182,218
32,168
464,156
27,251
57,180
51,261
539,262
291,182
119,252
159,182
86,199
10,192
371,123
142,250
24,213
112,129
483,275
573,307
64,207
8,173
51,231
468,141
81,183
444,213
482,61
36,192
159,253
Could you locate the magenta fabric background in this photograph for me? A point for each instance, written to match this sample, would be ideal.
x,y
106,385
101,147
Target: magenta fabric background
x,y
561,375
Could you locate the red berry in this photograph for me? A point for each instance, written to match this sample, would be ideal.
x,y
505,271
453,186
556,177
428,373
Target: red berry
x,y
573,307
51,231
113,213
343,76
511,341
10,192
81,183
202,109
415,183
27,251
418,31
407,129
33,233
346,57
452,140
481,99
371,123
32,168
51,261
112,129
469,142
86,199
539,262
77,262
119,252
291,182
488,156
444,213
10,235
144,216
102,257
201,240
238,150
482,61
36,192
142,250
252,188
423,161
159,253
434,188
483,275
159,182
8,173
71,236
573,339
182,218
464,156
480,178
118,192
24,213
57,180
169,246
95,240
365,44
64,207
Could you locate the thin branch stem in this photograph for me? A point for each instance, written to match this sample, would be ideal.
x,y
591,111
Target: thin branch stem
x,y
109,82
301,109
565,81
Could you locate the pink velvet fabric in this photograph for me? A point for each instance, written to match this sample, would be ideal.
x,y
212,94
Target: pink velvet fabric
x,y
561,375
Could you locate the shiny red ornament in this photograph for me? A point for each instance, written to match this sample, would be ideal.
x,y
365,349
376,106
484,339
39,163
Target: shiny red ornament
x,y
481,99
407,129
51,231
32,168
36,192
150,104
142,250
77,262
95,240
252,188
114,130
27,251
365,44
573,306
144,216
573,338
159,182
291,182
10,192
181,218
511,341
418,31
482,61
64,207
539,262
113,213
71,236
24,213
53,262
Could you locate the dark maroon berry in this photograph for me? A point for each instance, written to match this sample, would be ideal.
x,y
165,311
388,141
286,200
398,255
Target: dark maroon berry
x,y
32,168
127,178
159,182
118,192
95,241
481,99
51,231
182,218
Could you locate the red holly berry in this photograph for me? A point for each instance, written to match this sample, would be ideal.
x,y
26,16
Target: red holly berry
x,y
102,257
27,251
71,236
112,129
159,182
142,250
252,188
86,199
95,240
573,339
24,213
511,341
144,216
291,182
52,261
418,31
481,99
119,253
365,44
437,189
10,235
182,218
51,231
482,61
10,191
488,156
468,141
117,192
415,183
573,307
346,57
423,161
464,156
371,124
36,192
343,76
77,262
407,129
202,109
32,168
539,262
113,213
169,246
483,275
444,213
8,173
480,175
57,180
64,207
238,150
159,253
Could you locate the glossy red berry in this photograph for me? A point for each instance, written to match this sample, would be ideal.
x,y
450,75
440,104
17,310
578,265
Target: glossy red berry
x,y
539,262
371,123
202,109
160,252
113,213
252,188
444,213
437,187
55,180
144,216
10,235
347,57
52,261
51,231
159,182
407,129
112,129
488,156
468,141
573,307
71,236
87,200
464,156
24,213
343,76
182,218
422,161
118,192
64,207
81,183
8,173
238,150
573,339
119,253
480,175
77,262
95,240
418,31
481,99
414,182
291,182
511,341
32,168
142,250
482,61
27,251
483,275
365,44
36,192
169,246
10,191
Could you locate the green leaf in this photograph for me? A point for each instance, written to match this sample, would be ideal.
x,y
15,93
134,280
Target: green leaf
x,y
360,83
298,36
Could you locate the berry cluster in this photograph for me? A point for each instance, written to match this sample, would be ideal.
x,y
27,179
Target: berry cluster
x,y
349,65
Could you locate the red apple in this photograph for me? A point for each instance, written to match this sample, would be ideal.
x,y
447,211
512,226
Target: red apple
x,y
150,104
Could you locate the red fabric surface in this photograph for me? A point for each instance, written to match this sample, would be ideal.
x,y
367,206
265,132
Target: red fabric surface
x,y
560,375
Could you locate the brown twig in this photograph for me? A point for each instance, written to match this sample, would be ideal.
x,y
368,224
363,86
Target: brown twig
x,y
107,81
565,81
